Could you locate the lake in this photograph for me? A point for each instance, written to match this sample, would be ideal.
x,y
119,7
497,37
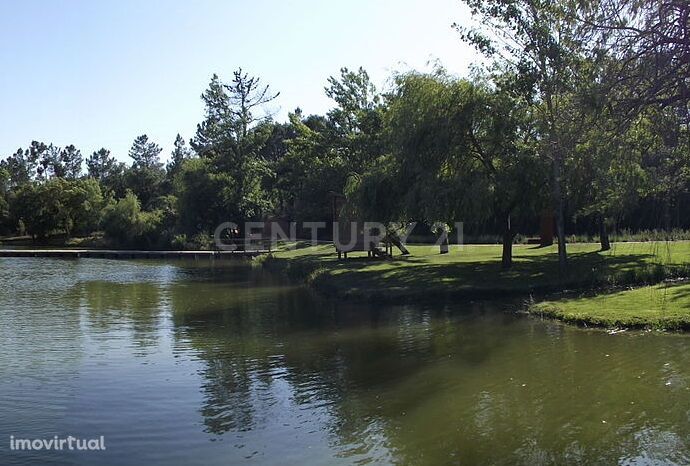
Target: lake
x,y
200,363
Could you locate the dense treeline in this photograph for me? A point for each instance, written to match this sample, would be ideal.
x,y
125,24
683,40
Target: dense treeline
x,y
582,110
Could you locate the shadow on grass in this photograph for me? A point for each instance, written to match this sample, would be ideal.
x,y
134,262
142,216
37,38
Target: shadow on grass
x,y
679,291
433,275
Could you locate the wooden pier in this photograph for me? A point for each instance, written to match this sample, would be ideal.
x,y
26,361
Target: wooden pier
x,y
130,254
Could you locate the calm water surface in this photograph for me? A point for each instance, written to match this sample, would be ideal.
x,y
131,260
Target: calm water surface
x,y
177,363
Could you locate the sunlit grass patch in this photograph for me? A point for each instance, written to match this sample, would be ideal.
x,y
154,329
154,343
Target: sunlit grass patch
x,y
666,305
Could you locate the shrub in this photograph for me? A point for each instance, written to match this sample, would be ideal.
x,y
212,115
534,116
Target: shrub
x,y
179,241
127,225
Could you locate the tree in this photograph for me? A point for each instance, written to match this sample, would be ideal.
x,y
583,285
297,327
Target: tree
x,y
146,175
61,163
312,169
58,205
427,139
277,135
232,138
36,214
462,150
125,223
245,95
145,154
82,201
101,165
322,153
650,41
502,139
24,165
354,94
663,138
39,206
178,155
608,178
108,172
205,198
539,41
4,204
230,116
356,119
146,183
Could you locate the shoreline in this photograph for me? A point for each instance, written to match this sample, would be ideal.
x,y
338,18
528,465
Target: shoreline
x,y
606,295
634,286
75,253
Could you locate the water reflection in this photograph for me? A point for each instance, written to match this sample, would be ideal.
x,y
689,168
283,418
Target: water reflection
x,y
236,364
430,385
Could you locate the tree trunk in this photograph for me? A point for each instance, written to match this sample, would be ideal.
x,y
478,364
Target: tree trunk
x,y
604,234
560,215
507,257
444,245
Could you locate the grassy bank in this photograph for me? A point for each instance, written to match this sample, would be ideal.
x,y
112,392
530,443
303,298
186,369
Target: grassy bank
x,y
475,271
663,306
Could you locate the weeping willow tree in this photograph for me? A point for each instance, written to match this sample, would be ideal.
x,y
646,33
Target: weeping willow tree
x,y
458,150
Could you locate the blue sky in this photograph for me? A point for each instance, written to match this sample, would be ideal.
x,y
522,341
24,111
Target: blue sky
x,y
99,73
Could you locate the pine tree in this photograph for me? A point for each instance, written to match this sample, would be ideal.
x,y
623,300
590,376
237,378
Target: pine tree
x,y
145,153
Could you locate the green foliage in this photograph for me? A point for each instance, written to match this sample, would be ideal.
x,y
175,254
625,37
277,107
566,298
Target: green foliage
x,y
647,41
108,172
198,242
232,137
145,154
354,93
378,195
4,204
205,198
179,154
201,241
179,242
145,182
356,121
310,171
57,205
277,135
663,138
547,125
62,163
323,153
82,206
127,225
540,44
24,165
459,151
146,175
101,164
40,162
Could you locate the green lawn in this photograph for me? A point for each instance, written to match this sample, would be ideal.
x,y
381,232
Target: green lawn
x,y
660,306
475,270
